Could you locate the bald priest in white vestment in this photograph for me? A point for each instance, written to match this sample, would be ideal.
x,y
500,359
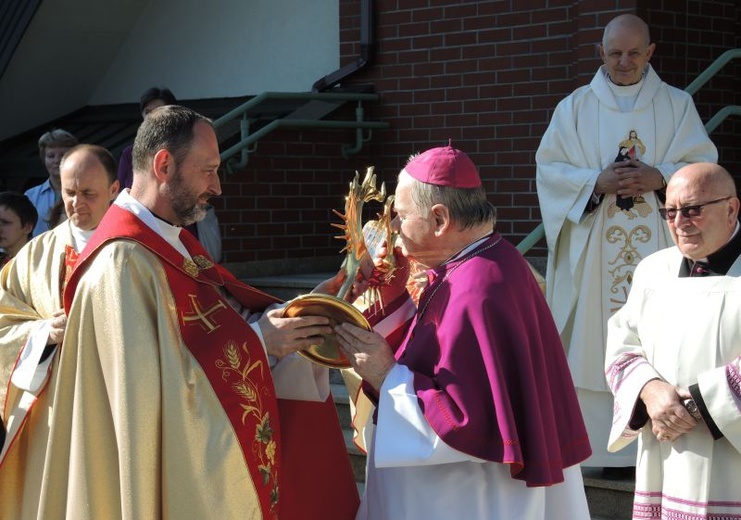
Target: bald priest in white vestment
x,y
602,167
674,357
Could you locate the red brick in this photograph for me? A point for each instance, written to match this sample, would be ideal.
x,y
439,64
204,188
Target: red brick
x,y
427,15
427,42
495,35
460,38
414,29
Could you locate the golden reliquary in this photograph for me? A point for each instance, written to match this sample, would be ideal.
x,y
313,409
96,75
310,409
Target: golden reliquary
x,y
362,240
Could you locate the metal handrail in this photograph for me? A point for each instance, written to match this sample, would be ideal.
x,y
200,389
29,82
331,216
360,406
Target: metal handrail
x,y
531,239
298,123
300,96
539,232
712,70
721,115
246,139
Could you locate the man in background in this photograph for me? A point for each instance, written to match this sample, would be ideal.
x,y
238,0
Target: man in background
x,y
602,168
17,219
32,321
52,147
674,356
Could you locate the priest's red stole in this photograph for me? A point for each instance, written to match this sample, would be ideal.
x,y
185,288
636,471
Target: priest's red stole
x,y
294,449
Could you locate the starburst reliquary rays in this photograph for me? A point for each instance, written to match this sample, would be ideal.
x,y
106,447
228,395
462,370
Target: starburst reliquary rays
x,y
364,239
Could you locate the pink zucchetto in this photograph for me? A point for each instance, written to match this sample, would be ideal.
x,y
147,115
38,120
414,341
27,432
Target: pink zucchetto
x,y
444,166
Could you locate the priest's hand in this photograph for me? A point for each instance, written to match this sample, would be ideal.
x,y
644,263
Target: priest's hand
x,y
669,417
58,326
283,336
608,180
637,178
368,352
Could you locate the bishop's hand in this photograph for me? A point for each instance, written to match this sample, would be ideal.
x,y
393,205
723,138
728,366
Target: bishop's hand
x,y
374,276
332,285
368,352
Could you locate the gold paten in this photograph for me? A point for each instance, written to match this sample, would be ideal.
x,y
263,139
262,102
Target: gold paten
x,y
329,353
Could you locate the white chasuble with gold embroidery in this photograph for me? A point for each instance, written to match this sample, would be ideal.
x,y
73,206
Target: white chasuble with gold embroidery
x,y
592,253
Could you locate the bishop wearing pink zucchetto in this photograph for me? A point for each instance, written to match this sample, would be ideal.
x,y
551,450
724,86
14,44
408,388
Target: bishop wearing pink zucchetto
x,y
475,411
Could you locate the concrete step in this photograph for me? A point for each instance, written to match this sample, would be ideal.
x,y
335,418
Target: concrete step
x,y
341,398
287,287
608,499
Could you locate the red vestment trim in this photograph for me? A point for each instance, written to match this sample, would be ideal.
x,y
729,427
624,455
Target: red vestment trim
x,y
316,478
225,346
70,259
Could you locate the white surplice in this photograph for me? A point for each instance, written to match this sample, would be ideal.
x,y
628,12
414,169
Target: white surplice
x,y
592,255
407,460
685,331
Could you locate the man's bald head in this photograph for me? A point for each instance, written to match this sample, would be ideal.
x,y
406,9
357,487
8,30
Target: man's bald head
x,y
626,49
709,193
97,153
626,22
705,179
88,176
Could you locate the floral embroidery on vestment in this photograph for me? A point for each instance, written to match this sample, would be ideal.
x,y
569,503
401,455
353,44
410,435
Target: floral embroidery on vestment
x,y
623,264
236,366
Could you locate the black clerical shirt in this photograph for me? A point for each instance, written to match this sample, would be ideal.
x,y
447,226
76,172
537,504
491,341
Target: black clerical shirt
x,y
717,264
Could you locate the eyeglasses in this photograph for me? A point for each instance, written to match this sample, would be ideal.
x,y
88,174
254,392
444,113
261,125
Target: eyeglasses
x,y
687,211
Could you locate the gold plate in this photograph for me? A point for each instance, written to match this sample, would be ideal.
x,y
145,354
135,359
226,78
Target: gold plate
x,y
328,354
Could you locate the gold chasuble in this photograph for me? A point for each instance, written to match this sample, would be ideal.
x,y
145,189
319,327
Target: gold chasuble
x,y
163,403
30,292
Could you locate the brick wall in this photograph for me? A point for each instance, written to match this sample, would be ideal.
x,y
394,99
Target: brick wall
x,y
483,74
689,37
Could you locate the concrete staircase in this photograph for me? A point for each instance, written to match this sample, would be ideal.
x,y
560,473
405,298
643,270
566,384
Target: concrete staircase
x,y
607,499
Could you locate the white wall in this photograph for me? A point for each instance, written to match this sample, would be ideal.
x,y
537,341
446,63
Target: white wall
x,y
91,52
240,48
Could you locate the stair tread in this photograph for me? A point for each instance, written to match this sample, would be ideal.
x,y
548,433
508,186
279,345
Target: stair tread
x,y
339,393
592,478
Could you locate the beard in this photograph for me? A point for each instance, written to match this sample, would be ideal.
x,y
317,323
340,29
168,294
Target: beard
x,y
184,202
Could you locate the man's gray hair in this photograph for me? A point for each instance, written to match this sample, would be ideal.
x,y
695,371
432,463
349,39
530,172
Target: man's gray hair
x,y
468,206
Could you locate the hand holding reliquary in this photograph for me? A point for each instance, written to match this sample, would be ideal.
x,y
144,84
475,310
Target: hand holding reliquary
x,y
364,243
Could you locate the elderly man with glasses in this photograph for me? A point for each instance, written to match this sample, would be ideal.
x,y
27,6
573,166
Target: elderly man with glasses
x,y
674,356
